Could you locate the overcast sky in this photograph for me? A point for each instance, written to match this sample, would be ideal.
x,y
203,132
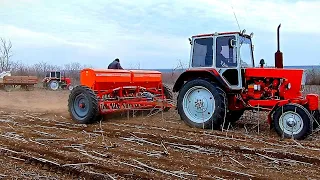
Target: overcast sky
x,y
153,33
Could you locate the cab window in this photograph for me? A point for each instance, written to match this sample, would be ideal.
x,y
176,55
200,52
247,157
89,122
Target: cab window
x,y
202,52
226,54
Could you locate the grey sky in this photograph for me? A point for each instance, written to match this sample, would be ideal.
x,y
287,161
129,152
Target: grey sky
x,y
154,33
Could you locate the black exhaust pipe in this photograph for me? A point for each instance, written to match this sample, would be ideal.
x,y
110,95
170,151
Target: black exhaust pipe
x,y
278,54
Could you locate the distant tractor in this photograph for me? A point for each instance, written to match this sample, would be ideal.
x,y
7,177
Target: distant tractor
x,y
54,80
222,82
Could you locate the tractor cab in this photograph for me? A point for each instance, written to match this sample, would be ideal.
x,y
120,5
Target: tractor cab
x,y
54,75
228,53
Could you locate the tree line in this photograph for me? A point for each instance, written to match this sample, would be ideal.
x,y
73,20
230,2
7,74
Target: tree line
x,y
72,69
38,69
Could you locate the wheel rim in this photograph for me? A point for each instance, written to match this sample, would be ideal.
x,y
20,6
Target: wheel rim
x,y
198,104
70,87
81,106
54,85
291,123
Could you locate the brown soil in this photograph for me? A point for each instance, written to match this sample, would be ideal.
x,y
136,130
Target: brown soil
x,y
40,141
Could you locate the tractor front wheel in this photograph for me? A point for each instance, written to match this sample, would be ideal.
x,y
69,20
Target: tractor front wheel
x,y
83,105
69,87
200,104
293,121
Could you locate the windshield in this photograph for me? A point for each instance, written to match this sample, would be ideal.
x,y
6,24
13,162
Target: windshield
x,y
245,52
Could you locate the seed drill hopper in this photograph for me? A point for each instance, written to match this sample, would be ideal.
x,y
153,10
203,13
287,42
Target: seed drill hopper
x,y
107,91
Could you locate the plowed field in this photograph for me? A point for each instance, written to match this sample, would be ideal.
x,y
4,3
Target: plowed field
x,y
38,140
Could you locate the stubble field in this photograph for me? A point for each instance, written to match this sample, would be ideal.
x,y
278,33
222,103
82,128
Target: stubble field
x,y
38,140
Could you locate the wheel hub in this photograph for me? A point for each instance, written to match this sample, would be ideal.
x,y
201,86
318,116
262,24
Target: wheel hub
x,y
82,105
291,122
54,85
198,104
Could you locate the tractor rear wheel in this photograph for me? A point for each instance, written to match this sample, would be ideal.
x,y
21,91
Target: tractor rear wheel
x,y
293,120
53,85
168,95
231,116
201,105
83,105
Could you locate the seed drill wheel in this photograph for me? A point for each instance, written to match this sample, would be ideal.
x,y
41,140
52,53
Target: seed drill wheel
x,y
83,105
53,85
293,120
168,95
200,104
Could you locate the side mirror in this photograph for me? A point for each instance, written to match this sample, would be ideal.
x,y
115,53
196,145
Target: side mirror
x,y
190,41
262,63
232,43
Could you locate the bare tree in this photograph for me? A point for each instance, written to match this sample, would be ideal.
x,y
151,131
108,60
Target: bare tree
x,y
5,54
44,66
73,70
133,65
75,66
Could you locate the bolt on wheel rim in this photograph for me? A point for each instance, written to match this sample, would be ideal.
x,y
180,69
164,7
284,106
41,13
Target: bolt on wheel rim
x,y
81,106
198,104
291,123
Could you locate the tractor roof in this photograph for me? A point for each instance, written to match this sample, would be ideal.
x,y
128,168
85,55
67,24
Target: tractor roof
x,y
213,34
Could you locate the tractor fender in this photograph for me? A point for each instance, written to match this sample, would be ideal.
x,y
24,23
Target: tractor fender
x,y
211,75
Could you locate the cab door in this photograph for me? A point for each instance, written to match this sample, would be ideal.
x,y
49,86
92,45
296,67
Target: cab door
x,y
226,60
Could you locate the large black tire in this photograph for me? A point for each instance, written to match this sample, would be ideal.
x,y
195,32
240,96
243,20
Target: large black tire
x,y
83,105
293,120
316,116
168,95
231,116
209,96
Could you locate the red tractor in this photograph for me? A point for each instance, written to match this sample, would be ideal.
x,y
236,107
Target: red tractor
x,y
54,80
222,82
